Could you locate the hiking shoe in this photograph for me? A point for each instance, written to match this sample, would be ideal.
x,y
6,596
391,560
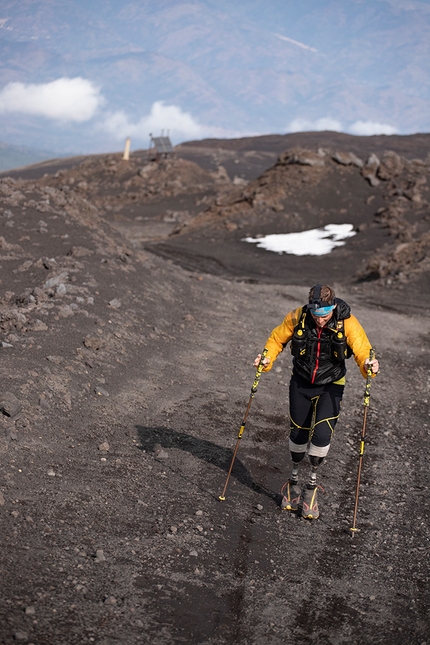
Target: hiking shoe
x,y
291,492
309,503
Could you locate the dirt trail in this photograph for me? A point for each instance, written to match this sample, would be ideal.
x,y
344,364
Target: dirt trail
x,y
289,580
178,565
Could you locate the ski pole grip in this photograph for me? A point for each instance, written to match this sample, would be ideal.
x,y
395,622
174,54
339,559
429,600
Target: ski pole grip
x,y
369,366
369,378
263,356
259,370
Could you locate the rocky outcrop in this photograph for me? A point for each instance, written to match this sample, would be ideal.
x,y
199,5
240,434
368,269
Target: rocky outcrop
x,y
407,218
399,263
370,169
301,190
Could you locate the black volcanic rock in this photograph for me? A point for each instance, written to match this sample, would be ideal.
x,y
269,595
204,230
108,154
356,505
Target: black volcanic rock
x,y
125,377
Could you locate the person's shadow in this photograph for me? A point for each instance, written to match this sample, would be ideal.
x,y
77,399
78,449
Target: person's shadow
x,y
151,438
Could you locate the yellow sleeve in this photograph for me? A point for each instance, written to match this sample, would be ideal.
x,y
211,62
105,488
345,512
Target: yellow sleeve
x,y
281,335
358,342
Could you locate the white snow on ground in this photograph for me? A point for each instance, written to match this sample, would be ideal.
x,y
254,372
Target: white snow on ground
x,y
318,241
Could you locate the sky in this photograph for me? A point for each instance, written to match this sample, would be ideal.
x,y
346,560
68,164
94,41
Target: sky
x,y
83,76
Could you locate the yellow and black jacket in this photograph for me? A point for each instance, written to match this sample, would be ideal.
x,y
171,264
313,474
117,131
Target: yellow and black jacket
x,y
320,353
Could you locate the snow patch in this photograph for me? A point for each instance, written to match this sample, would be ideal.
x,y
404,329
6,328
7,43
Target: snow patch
x,y
317,241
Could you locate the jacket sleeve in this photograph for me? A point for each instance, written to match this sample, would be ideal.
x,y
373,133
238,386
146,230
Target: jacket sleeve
x,y
280,336
358,342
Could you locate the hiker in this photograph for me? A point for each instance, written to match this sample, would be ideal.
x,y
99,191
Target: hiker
x,y
323,334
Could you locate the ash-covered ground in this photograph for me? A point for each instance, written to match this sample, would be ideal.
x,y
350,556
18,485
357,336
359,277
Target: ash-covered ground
x,y
130,314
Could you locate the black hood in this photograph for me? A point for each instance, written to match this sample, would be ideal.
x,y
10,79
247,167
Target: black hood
x,y
343,310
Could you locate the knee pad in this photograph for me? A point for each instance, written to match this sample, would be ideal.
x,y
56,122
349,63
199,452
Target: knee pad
x,y
297,456
315,461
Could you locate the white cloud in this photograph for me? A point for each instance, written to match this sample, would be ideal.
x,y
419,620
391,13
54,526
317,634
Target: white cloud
x,y
304,125
296,42
181,125
367,128
66,99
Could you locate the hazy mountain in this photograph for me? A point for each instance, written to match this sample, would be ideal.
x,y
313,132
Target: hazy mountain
x,y
235,70
18,156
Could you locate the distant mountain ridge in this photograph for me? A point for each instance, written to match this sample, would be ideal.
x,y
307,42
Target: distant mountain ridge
x,y
18,156
409,146
245,157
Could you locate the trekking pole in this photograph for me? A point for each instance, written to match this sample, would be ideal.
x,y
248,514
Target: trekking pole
x,y
366,402
242,427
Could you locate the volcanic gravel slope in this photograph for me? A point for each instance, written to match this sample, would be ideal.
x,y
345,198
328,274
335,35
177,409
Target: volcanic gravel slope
x,y
125,380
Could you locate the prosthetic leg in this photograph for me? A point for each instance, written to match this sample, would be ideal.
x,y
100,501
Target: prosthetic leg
x,y
309,498
291,491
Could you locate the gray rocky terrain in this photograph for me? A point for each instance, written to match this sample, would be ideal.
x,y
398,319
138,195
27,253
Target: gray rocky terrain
x,y
130,315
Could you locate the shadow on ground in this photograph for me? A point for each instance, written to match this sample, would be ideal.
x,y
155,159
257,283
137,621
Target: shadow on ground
x,y
152,438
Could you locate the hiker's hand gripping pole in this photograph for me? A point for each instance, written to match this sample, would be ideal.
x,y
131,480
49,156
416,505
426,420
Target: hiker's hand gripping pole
x,y
242,427
366,402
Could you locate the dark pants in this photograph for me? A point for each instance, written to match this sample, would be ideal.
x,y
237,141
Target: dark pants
x,y
314,411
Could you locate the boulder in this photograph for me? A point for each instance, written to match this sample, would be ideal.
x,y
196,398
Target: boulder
x,y
348,159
